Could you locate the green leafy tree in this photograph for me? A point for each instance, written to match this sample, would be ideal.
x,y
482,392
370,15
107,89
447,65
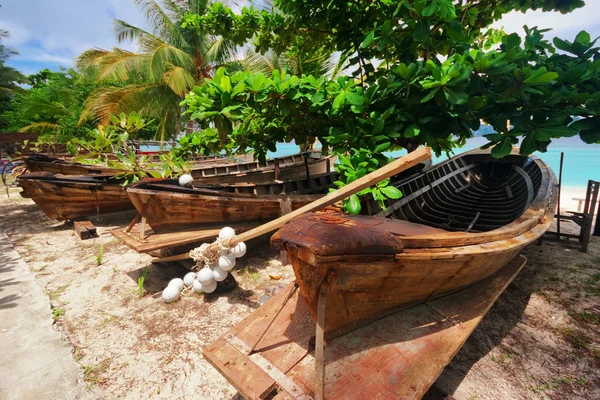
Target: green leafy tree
x,y
52,106
424,72
10,79
170,62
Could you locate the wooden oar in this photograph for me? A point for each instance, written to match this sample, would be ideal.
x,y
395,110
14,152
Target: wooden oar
x,y
391,169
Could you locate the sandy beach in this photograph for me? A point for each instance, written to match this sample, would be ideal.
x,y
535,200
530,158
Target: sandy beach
x,y
540,340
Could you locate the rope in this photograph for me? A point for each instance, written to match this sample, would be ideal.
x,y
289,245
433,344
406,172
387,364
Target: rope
x,y
203,255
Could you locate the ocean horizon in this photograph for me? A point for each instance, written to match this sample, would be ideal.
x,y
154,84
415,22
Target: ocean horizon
x,y
581,161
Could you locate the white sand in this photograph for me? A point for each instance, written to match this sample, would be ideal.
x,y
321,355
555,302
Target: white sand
x,y
567,196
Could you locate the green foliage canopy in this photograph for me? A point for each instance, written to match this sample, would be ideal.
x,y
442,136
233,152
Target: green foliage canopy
x,y
424,72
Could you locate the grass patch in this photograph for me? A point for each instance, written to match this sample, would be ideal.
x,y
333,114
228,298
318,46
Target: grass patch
x,y
574,337
55,294
592,280
57,313
93,374
140,283
554,384
587,317
251,275
78,356
100,254
502,358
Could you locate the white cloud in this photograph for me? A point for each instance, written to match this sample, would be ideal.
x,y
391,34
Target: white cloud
x,y
59,30
581,18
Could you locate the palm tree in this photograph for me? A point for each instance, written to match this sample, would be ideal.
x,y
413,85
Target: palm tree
x,y
153,82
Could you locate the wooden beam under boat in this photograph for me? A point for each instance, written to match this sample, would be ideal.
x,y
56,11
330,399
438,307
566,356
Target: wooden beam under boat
x,y
270,353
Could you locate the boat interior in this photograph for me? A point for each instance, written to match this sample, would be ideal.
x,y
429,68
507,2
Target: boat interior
x,y
469,193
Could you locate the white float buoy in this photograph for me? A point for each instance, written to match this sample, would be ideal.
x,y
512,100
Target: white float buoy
x,y
226,233
210,287
185,180
189,278
197,287
219,274
205,276
239,250
226,263
177,282
170,294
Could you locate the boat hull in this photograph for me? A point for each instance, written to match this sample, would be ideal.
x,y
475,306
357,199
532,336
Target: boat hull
x,y
366,267
169,211
67,200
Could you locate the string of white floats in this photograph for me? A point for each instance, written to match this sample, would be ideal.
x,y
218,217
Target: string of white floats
x,y
212,269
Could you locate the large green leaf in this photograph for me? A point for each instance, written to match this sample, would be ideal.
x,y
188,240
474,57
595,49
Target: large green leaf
x,y
353,205
392,192
339,100
422,31
502,149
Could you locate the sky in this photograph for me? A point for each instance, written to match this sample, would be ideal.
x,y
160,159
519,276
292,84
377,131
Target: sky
x,y
51,33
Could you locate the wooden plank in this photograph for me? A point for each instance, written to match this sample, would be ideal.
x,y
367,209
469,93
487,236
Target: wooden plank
x,y
399,356
133,222
85,229
157,241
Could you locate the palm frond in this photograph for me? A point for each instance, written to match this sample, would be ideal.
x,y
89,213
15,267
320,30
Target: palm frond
x,y
256,62
117,65
44,106
339,66
152,101
161,23
162,55
41,127
220,50
126,31
179,80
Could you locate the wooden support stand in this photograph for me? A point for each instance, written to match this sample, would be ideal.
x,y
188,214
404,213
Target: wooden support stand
x,y
286,208
399,356
85,229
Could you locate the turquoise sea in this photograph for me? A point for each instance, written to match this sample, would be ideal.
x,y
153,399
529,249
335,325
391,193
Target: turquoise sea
x,y
581,163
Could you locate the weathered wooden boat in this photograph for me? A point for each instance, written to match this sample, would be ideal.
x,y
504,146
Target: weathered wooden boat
x,y
457,223
167,206
64,166
61,166
64,197
208,169
294,166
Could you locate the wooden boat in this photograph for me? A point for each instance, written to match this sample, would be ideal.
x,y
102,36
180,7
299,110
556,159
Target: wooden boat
x,y
67,197
208,169
63,166
292,167
56,166
71,196
168,207
458,222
